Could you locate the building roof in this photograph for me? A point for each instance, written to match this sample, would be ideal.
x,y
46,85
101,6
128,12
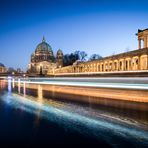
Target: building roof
x,y
122,55
2,65
139,30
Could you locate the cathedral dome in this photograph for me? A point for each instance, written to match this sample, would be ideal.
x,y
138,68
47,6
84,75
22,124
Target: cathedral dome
x,y
43,47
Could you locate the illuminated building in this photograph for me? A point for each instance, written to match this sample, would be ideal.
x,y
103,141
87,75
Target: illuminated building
x,y
43,59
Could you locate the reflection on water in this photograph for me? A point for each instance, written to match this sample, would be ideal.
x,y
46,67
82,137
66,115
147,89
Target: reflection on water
x,y
118,130
39,93
9,85
24,89
19,86
13,84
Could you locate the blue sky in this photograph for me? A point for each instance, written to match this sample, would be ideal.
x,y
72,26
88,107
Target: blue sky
x,y
95,26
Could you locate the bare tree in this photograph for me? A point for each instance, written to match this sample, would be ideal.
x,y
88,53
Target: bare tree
x,y
95,57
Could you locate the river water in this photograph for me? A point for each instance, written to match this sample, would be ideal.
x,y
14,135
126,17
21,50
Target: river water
x,y
27,119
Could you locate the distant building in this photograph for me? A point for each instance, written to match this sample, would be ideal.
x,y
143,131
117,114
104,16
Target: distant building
x,y
43,59
136,60
2,68
19,70
11,70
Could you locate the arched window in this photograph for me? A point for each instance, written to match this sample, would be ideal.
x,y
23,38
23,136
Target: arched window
x,y
74,69
120,65
115,65
126,65
137,61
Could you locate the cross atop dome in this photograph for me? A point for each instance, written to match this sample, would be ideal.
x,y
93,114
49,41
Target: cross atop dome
x,y
43,40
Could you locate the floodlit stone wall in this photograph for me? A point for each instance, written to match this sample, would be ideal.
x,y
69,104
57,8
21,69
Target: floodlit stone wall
x,y
129,61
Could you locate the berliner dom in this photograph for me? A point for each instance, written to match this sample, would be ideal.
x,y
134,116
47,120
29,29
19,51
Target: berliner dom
x,y
2,68
44,60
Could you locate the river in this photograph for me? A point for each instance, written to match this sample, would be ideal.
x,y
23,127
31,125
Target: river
x,y
28,119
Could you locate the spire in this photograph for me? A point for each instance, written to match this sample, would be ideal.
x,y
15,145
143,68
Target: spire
x,y
43,40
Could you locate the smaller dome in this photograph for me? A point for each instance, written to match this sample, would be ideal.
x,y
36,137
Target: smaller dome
x,y
32,55
59,54
59,51
2,65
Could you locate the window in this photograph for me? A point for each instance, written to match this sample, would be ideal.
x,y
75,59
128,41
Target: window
x,y
120,65
115,65
102,67
126,65
137,61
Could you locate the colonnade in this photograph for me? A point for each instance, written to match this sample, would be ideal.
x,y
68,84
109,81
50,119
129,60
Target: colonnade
x,y
108,65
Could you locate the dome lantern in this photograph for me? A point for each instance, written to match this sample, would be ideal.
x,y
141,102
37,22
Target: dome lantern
x,y
43,40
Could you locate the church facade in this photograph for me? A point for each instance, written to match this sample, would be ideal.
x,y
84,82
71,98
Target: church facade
x,y
44,60
3,69
136,60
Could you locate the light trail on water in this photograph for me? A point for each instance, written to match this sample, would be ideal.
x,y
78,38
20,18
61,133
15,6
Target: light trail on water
x,y
118,83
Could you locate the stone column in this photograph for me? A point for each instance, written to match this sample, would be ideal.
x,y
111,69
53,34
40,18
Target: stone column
x,y
139,43
123,65
130,63
145,42
129,68
139,63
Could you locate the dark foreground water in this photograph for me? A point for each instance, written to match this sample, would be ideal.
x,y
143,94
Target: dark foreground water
x,y
27,122
20,128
